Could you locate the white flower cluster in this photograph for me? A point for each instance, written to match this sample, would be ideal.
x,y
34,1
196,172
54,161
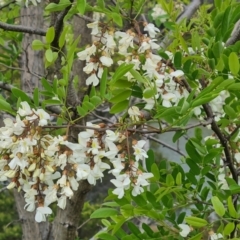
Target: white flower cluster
x,y
159,13
48,169
159,76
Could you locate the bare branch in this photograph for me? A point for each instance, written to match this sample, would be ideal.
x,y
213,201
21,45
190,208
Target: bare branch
x,y
166,145
235,35
23,29
187,13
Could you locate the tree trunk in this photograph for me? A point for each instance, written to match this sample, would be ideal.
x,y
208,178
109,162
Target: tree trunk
x,y
32,63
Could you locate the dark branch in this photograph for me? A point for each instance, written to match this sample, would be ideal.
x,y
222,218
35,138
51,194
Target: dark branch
x,y
23,29
166,145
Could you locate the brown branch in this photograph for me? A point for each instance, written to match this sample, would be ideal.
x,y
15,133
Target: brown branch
x,y
23,29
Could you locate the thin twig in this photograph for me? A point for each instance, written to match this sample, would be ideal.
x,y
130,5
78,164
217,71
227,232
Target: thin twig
x,y
166,145
84,223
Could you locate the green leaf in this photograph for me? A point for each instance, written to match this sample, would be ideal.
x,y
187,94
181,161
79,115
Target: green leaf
x,y
230,111
50,34
53,7
19,93
233,63
49,55
205,99
170,180
123,95
179,179
81,6
6,107
120,72
196,237
229,228
178,59
62,37
148,93
133,228
137,76
81,111
36,97
231,208
46,85
117,18
139,200
96,100
106,236
119,107
150,160
104,213
218,206
234,87
155,171
37,44
196,222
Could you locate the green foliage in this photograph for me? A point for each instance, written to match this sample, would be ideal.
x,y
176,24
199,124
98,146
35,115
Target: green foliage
x,y
9,223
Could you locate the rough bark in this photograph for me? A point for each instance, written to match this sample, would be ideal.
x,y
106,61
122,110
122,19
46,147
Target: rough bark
x,y
31,61
66,222
30,228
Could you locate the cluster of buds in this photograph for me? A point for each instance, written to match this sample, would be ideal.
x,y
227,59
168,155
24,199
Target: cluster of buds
x,y
48,169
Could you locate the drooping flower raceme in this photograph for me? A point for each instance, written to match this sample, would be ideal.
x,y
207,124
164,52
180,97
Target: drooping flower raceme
x,y
48,168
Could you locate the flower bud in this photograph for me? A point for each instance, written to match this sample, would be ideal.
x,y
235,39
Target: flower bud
x,y
11,185
10,173
49,168
36,173
32,167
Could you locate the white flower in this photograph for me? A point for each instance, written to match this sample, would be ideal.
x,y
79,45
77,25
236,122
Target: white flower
x,y
168,98
158,12
125,42
94,27
151,29
94,146
106,61
90,66
25,110
237,157
139,152
92,80
41,212
177,73
85,54
112,136
185,229
134,113
215,236
62,201
43,117
122,182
